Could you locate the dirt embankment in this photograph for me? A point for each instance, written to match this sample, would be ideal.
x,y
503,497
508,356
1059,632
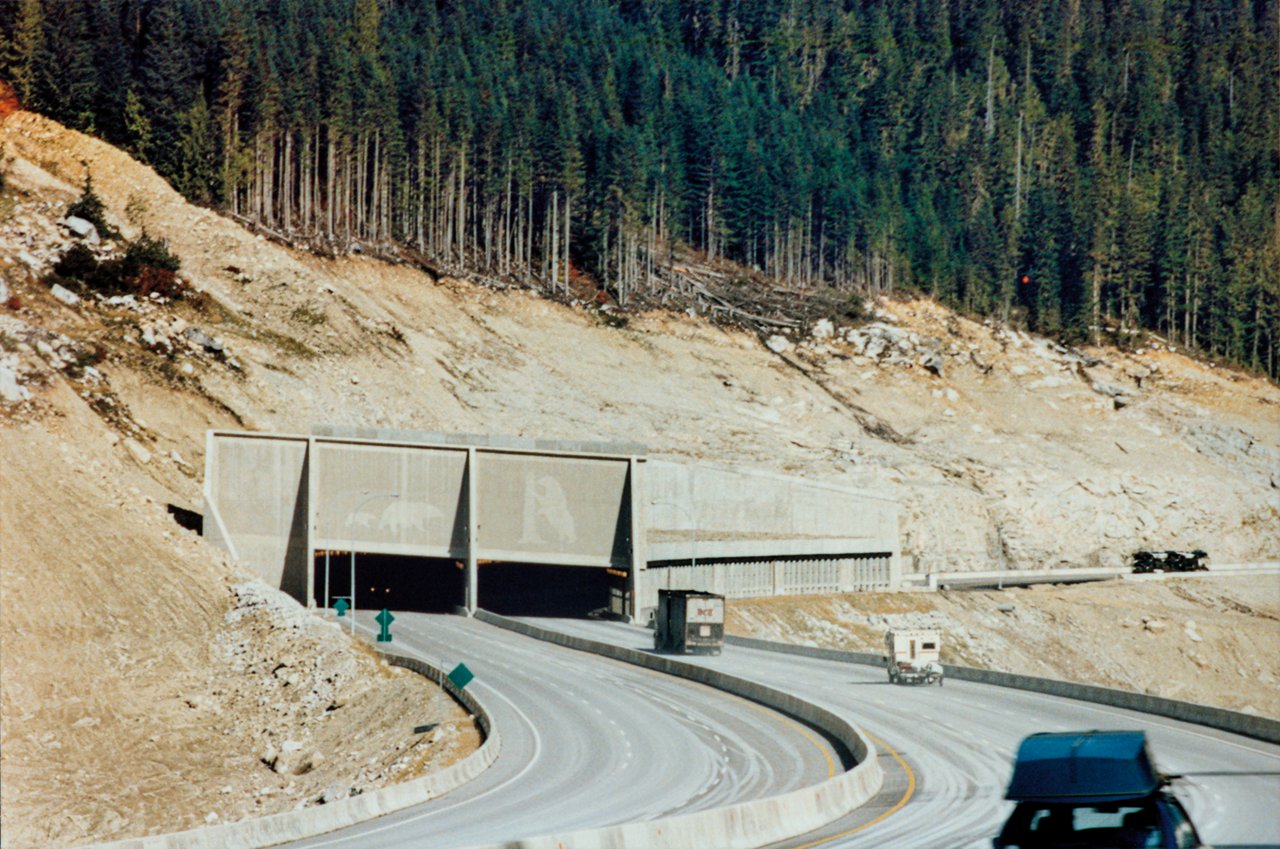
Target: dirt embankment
x,y
149,685
1211,640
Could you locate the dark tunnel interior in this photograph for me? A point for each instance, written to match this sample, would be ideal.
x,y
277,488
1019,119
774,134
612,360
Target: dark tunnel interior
x,y
421,584
532,589
434,585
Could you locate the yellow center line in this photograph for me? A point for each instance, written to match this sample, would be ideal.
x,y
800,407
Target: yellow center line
x,y
906,797
826,750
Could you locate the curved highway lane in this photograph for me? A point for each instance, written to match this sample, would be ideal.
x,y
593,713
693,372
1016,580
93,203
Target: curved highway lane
x,y
947,751
587,742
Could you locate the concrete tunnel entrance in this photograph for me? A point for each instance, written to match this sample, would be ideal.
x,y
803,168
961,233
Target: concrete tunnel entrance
x,y
437,585
535,589
419,584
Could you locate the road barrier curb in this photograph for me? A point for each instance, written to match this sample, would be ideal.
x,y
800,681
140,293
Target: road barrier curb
x,y
740,826
296,825
1248,725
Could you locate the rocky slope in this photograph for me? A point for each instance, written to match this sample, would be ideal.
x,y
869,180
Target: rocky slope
x,y
1005,449
1206,639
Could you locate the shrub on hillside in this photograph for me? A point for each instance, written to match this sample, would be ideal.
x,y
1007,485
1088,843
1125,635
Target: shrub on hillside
x,y
91,208
148,251
78,263
147,267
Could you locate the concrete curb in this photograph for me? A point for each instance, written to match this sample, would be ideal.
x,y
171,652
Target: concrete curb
x,y
740,826
296,825
1248,725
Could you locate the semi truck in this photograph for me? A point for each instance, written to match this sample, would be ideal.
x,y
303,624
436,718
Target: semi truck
x,y
689,622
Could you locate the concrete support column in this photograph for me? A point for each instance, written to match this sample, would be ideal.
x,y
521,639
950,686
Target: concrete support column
x,y
471,573
635,491
310,486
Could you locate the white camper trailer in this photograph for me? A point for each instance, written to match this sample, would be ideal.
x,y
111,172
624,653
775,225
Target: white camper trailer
x,y
912,656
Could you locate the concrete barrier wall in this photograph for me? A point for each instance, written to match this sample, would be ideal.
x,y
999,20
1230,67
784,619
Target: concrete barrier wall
x,y
1248,725
296,825
747,824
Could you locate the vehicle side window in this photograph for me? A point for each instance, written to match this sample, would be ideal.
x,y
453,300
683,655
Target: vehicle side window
x,y
1184,833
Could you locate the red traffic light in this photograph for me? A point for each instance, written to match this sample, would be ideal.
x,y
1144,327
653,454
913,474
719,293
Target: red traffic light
x,y
1025,279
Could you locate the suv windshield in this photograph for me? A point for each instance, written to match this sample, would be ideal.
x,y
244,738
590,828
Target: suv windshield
x,y
1133,825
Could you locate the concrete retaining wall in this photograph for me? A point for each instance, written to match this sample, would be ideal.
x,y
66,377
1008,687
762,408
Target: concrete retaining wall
x,y
747,824
296,825
1257,727
811,575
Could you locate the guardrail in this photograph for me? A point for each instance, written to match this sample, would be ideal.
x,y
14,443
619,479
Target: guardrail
x,y
931,581
740,826
1258,727
309,822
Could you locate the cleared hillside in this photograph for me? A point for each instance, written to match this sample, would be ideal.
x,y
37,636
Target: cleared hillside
x,y
1004,449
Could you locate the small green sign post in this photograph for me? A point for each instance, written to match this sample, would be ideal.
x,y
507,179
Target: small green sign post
x,y
341,606
385,619
461,676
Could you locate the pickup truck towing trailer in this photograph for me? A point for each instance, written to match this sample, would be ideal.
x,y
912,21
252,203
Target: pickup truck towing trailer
x,y
689,622
911,657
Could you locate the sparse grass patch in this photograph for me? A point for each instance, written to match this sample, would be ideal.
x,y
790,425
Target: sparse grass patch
x,y
609,318
308,315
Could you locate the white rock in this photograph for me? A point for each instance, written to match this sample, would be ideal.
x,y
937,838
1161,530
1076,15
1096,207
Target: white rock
x,y
290,746
139,453
778,344
62,293
212,817
354,379
82,228
823,329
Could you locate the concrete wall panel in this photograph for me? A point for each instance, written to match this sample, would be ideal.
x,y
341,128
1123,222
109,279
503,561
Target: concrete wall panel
x,y
258,486
552,509
427,518
733,503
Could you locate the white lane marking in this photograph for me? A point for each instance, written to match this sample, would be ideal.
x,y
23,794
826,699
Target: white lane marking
x,y
537,749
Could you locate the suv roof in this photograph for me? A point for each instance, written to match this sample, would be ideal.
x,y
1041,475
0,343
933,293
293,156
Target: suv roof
x,y
1083,766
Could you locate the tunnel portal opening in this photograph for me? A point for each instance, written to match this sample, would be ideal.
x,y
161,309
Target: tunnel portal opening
x,y
536,589
418,584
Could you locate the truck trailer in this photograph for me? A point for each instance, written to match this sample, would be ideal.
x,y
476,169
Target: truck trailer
x,y
689,622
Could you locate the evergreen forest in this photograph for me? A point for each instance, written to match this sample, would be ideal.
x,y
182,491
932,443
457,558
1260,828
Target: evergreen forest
x,y
1080,167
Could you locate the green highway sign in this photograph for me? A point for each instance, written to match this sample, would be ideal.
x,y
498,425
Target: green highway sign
x,y
461,676
385,619
341,606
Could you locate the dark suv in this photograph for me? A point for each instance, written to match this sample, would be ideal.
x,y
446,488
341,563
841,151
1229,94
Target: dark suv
x,y
1092,790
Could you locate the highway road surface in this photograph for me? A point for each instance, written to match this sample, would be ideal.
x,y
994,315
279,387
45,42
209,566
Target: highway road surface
x,y
587,742
947,751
